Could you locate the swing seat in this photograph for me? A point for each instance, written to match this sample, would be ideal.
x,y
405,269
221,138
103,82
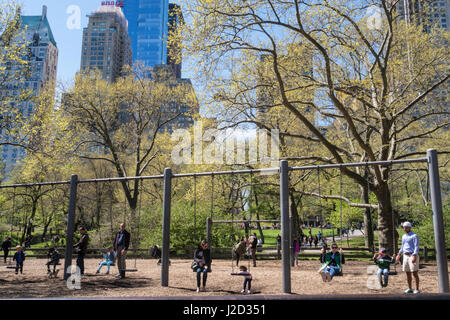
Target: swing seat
x,y
11,267
131,270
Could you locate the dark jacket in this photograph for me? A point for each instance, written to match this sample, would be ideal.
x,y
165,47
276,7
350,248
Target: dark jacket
x,y
54,256
82,245
6,245
16,256
253,243
203,255
125,240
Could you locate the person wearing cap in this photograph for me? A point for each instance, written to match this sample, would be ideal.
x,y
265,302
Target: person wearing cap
x,y
383,261
410,251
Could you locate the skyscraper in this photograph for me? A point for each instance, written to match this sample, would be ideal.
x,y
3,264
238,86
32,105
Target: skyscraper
x,y
148,30
173,51
106,44
425,12
43,61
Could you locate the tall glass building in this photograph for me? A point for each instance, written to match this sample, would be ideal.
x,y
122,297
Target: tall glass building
x,y
148,29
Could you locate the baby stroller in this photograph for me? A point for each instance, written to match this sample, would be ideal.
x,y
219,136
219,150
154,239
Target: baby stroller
x,y
156,253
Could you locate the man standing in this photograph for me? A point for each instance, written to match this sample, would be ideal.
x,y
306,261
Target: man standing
x,y
81,248
410,250
121,244
6,246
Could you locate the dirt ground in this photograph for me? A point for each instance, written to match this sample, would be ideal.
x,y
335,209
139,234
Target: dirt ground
x,y
305,280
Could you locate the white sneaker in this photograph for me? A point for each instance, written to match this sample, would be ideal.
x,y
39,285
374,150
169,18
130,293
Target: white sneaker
x,y
243,291
249,292
416,291
198,290
408,291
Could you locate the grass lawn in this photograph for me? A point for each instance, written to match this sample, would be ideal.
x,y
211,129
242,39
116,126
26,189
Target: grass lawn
x,y
270,236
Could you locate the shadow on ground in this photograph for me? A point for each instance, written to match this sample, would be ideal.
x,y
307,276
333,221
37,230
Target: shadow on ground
x,y
15,286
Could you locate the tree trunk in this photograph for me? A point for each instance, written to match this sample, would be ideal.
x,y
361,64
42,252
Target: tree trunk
x,y
385,223
261,234
368,223
44,233
294,215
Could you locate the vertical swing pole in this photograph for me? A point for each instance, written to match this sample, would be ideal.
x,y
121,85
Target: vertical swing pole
x,y
284,207
340,201
70,224
166,228
195,208
438,223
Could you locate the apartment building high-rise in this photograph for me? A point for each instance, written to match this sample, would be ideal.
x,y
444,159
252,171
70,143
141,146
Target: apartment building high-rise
x,y
174,58
148,29
42,63
185,110
429,13
106,44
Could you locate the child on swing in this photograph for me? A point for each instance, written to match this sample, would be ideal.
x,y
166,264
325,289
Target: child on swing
x,y
53,255
383,261
110,258
247,279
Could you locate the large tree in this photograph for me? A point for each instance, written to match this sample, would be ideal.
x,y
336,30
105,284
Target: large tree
x,y
118,123
369,77
14,69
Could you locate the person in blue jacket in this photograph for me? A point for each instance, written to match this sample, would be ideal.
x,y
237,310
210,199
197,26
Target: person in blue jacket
x,y
19,257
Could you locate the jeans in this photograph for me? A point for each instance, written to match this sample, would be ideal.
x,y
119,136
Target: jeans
x,y
121,263
205,276
51,263
19,265
80,262
103,263
249,282
383,273
253,251
332,270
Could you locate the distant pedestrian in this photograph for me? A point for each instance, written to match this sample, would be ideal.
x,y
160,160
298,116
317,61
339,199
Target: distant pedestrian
x,y
296,247
6,247
316,241
28,241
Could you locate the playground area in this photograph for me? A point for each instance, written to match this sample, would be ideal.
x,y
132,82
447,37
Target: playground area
x,y
267,275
